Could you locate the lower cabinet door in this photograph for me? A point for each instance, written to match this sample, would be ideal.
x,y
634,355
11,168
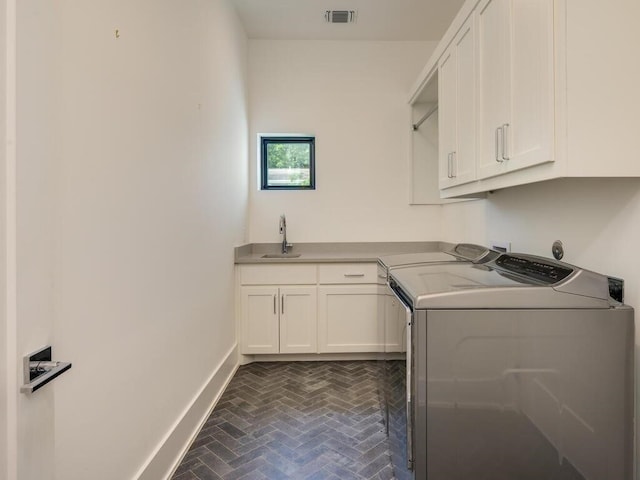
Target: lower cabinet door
x,y
348,319
298,320
259,320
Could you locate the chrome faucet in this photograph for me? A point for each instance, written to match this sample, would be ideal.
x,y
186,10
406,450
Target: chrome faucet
x,y
283,231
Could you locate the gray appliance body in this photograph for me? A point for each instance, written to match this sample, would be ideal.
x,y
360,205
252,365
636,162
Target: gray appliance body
x,y
393,358
461,252
521,368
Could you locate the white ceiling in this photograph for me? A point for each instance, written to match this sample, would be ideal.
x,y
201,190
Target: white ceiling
x,y
376,19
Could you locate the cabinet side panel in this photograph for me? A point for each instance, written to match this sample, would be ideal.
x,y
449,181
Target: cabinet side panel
x,y
603,74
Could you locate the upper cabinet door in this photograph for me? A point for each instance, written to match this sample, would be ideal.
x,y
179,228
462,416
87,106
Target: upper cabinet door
x,y
531,140
446,116
515,70
493,27
464,160
457,109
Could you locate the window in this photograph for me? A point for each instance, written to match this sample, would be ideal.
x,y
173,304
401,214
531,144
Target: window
x,y
287,163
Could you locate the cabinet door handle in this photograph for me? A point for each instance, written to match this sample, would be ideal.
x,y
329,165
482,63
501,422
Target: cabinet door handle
x,y
282,304
274,304
454,166
498,159
505,144
354,275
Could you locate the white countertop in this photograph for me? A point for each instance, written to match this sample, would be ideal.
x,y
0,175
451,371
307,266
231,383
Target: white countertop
x,y
339,252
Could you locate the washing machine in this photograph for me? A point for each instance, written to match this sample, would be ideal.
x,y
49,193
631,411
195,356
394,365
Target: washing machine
x,y
517,368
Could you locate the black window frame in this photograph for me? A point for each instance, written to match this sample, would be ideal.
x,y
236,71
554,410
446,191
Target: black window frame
x,y
264,169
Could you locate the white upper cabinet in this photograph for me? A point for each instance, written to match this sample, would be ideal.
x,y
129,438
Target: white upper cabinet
x,y
492,18
515,64
457,104
554,93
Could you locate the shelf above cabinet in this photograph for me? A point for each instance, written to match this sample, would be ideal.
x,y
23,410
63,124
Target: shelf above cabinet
x,y
425,144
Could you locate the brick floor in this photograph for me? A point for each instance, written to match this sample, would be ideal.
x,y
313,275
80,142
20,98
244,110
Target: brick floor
x,y
294,420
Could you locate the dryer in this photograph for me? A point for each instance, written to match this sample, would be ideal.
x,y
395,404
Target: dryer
x,y
393,328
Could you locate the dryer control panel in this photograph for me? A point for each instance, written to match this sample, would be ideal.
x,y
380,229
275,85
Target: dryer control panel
x,y
533,268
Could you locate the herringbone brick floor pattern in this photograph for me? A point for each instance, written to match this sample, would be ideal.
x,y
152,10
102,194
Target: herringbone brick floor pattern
x,y
294,420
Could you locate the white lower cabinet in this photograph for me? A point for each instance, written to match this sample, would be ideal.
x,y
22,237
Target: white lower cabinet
x,y
298,320
312,308
348,319
278,319
278,308
260,320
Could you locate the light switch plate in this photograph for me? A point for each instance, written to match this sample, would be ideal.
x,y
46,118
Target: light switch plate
x,y
500,245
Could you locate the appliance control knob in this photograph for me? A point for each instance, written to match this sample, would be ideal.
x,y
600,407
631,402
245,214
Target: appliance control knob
x,y
558,250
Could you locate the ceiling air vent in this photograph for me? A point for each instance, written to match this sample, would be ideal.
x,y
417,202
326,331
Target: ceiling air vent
x,y
340,16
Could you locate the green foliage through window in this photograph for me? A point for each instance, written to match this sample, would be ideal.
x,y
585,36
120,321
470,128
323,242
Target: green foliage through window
x,y
287,163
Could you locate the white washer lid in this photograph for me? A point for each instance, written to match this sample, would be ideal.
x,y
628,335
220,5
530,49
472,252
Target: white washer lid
x,y
468,286
406,259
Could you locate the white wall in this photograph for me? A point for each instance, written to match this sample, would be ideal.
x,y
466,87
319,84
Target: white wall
x,y
132,192
4,432
353,97
465,222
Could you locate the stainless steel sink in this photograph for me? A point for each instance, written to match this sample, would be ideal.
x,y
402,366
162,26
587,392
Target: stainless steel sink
x,y
281,255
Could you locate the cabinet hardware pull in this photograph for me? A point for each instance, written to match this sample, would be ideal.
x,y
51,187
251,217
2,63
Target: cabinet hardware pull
x,y
282,304
498,159
449,165
274,304
354,275
505,144
454,166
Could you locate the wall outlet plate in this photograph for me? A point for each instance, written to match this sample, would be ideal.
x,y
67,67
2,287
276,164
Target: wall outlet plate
x,y
500,245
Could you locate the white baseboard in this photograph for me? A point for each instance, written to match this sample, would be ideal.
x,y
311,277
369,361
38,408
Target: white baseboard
x,y
174,446
309,357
